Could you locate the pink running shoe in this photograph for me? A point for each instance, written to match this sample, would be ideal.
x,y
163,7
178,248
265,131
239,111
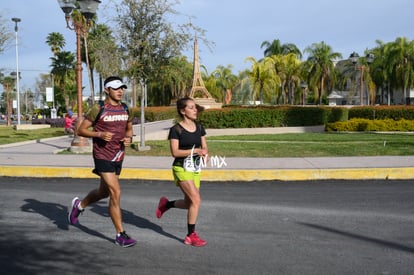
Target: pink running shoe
x,y
194,240
162,207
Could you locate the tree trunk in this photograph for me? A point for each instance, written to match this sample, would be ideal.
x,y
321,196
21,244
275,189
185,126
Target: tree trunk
x,y
8,107
90,70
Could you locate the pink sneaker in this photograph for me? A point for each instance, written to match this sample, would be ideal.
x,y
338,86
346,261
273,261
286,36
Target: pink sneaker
x,y
162,207
194,240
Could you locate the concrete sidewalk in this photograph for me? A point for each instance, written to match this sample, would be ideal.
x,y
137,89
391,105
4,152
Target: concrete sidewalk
x,y
40,159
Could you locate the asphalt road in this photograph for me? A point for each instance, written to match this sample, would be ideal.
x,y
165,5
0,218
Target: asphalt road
x,y
312,227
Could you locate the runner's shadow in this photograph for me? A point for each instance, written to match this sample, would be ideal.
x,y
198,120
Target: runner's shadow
x,y
51,144
58,214
93,232
131,218
393,245
53,211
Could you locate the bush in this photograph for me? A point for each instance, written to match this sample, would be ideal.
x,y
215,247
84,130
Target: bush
x,y
53,122
271,116
361,124
382,112
239,117
155,113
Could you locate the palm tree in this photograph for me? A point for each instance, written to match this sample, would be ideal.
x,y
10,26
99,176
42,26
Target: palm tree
x,y
287,67
8,84
102,48
210,81
275,47
263,78
226,81
81,22
381,73
242,87
320,64
176,77
56,42
401,59
279,67
104,55
64,72
293,78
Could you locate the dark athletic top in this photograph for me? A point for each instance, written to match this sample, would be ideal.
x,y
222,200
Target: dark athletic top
x,y
186,139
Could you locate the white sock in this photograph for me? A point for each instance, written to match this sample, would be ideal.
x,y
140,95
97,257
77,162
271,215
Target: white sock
x,y
80,207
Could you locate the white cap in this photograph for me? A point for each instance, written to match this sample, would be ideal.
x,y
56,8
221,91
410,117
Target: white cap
x,y
115,84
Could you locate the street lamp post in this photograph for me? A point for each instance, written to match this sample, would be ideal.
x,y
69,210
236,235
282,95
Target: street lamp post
x,y
303,86
88,9
17,20
354,57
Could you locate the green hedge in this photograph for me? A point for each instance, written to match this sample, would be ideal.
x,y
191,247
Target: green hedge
x,y
364,125
364,118
254,117
271,116
382,112
156,113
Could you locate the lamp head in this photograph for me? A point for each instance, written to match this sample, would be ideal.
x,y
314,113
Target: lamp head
x,y
303,84
354,57
67,6
16,20
370,58
88,8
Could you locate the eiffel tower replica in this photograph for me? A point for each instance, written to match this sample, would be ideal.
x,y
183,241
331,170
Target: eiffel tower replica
x,y
198,87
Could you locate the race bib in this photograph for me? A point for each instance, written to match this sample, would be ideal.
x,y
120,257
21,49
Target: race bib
x,y
192,163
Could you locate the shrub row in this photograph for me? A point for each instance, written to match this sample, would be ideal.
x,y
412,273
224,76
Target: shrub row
x,y
60,122
53,122
282,116
394,118
272,116
382,112
365,125
157,113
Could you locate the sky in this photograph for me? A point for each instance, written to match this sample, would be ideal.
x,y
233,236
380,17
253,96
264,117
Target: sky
x,y
237,29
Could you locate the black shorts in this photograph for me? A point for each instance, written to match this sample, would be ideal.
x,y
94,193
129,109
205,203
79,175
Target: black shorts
x,y
106,166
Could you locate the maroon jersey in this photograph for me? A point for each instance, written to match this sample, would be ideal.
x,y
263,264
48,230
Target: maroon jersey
x,y
112,119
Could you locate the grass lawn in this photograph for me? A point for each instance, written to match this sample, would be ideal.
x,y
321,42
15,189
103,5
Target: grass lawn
x,y
277,145
300,145
9,135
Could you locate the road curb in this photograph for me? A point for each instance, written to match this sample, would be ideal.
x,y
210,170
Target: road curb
x,y
401,173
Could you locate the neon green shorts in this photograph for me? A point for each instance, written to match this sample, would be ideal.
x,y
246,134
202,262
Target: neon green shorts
x,y
181,175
